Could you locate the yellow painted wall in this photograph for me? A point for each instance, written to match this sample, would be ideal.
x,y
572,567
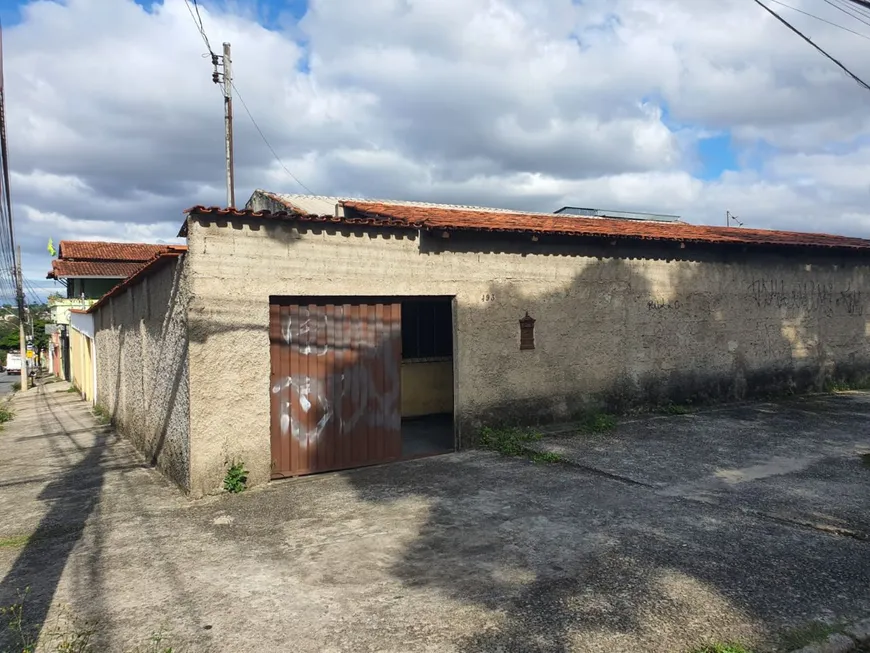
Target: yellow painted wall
x,y
427,388
82,363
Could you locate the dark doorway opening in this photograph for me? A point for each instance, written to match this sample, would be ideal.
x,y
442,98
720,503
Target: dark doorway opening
x,y
427,376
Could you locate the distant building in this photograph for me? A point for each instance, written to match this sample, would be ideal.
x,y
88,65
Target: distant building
x,y
88,270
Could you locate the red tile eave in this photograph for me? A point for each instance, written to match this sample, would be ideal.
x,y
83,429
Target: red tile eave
x,y
450,219
149,268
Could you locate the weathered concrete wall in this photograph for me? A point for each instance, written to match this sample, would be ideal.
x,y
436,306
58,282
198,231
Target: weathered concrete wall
x,y
142,371
616,324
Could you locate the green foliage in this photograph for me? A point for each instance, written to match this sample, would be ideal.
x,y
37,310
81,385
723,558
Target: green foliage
x,y
72,388
547,457
9,331
16,386
17,632
675,409
598,423
841,385
514,441
510,441
5,414
102,415
236,479
14,541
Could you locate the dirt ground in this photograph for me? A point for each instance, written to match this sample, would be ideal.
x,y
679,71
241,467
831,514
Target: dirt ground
x,y
668,532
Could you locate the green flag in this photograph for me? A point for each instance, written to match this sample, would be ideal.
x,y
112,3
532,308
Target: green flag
x,y
51,249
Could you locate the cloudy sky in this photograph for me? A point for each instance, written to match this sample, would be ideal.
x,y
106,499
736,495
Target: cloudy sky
x,y
692,107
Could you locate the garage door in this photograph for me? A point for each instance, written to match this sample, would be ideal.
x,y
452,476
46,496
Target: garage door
x,y
336,385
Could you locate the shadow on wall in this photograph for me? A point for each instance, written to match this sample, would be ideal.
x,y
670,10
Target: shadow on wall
x,y
650,324
138,375
642,324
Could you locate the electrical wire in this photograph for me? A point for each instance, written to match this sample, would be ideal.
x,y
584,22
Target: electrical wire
x,y
861,3
266,141
197,20
824,20
846,9
782,20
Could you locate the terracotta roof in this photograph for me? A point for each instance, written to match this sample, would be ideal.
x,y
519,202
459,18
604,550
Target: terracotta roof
x,y
471,219
103,251
156,263
80,258
112,269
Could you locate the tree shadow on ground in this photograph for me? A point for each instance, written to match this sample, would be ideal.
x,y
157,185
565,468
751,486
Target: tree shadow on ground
x,y
573,562
37,571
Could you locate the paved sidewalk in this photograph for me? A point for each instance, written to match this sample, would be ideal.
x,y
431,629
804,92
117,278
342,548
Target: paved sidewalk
x,y
463,553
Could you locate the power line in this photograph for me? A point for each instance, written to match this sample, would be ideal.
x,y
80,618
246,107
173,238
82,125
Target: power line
x,y
266,141
824,20
861,3
197,20
782,20
847,10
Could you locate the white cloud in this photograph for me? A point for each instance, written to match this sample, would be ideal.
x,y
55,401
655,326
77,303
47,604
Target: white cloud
x,y
115,125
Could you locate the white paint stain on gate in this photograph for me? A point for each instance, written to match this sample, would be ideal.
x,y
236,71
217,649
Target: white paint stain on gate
x,y
311,393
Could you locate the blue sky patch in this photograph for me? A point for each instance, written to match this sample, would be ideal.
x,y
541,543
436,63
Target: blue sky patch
x,y
717,156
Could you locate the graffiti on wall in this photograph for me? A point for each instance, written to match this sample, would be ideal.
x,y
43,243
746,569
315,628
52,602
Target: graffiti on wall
x,y
809,296
347,393
663,304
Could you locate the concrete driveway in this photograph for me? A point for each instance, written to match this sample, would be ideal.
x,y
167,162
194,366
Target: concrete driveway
x,y
735,524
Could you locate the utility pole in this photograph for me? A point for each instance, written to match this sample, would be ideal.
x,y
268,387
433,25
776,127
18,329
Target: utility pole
x,y
22,315
226,77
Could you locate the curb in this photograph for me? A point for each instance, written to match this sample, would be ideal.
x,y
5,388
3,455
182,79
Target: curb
x,y
849,639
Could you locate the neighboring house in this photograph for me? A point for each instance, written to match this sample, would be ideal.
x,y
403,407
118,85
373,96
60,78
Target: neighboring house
x,y
88,270
305,334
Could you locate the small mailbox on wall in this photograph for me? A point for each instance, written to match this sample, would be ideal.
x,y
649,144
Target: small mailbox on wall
x,y
527,333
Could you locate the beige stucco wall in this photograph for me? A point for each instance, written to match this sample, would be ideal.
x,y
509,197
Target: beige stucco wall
x,y
142,378
616,324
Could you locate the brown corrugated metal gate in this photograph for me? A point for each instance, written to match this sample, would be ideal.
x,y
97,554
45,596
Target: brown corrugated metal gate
x,y
336,384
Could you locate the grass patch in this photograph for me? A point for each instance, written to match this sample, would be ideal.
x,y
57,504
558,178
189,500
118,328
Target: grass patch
x,y
845,386
547,457
674,409
722,648
598,423
65,634
510,441
14,541
16,386
6,415
814,631
102,415
72,389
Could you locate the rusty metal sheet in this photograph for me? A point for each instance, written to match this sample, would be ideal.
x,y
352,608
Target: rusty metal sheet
x,y
335,386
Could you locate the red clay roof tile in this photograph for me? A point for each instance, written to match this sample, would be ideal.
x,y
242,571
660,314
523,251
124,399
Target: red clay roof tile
x,y
113,269
435,217
103,251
